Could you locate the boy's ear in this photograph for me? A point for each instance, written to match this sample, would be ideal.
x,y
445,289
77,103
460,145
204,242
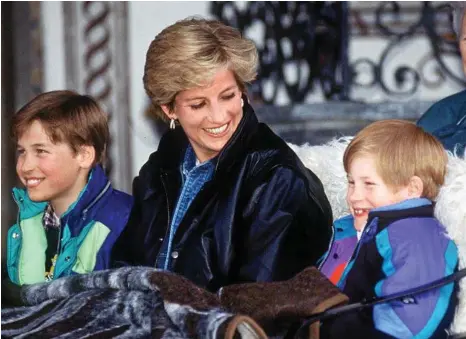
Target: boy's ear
x,y
86,156
415,187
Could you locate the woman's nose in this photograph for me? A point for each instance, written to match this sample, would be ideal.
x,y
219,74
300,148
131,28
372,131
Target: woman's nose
x,y
217,113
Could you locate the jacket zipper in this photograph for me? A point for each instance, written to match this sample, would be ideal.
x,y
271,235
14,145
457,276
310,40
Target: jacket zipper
x,y
168,218
20,231
93,202
83,217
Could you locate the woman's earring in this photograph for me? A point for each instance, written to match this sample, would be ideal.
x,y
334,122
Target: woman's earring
x,y
172,124
242,102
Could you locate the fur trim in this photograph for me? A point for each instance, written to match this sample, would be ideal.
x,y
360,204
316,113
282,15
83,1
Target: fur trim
x,y
450,209
326,161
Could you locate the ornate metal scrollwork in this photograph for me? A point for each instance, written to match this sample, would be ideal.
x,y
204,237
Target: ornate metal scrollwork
x,y
318,33
299,44
408,78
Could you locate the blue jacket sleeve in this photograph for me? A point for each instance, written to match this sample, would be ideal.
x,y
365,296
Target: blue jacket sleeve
x,y
287,231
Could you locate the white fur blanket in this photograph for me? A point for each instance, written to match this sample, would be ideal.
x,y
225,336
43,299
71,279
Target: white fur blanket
x,y
326,161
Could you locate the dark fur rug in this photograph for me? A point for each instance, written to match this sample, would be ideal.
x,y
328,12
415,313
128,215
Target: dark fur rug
x,y
140,302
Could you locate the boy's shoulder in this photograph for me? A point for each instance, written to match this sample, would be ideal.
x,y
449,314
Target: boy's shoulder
x,y
122,199
115,211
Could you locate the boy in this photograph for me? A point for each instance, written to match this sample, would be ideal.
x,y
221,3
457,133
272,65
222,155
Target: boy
x,y
392,242
69,214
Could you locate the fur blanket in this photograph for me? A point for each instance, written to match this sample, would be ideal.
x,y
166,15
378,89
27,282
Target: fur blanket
x,y
326,161
141,302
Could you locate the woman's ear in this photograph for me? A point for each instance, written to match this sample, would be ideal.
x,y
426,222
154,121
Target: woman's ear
x,y
86,156
168,113
415,187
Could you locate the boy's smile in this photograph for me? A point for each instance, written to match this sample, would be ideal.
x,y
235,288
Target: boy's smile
x,y
367,190
49,171
33,182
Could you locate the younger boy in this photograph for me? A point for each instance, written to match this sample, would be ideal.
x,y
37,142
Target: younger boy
x,y
69,214
392,242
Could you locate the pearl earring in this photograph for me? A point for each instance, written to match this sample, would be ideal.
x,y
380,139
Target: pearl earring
x,y
172,124
242,102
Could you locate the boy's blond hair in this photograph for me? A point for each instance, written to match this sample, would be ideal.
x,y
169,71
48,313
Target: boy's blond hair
x,y
189,53
401,150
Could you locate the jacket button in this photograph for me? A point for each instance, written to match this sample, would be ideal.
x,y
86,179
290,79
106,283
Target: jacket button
x,y
15,235
160,239
174,254
67,259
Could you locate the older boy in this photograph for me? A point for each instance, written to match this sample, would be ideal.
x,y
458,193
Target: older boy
x,y
392,241
69,214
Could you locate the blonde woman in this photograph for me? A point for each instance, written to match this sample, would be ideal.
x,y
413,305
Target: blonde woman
x,y
223,200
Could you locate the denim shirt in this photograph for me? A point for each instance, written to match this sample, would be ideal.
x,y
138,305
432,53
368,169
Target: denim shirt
x,y
194,177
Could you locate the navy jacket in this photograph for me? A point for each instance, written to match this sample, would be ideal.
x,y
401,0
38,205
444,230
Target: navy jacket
x,y
262,217
446,120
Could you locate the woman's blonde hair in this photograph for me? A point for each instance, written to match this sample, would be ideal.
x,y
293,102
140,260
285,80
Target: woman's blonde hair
x,y
401,150
458,11
189,53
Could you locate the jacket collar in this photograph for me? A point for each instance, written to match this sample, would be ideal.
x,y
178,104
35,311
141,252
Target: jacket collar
x,y
419,207
174,143
95,188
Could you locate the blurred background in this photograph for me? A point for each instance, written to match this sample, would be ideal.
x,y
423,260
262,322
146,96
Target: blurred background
x,y
326,68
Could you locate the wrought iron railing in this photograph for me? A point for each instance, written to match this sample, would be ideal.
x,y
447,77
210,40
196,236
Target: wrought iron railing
x,y
303,47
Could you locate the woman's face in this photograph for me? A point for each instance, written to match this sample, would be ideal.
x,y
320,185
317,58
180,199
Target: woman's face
x,y
462,41
209,115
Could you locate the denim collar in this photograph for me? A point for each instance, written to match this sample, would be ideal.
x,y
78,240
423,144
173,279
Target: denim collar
x,y
189,161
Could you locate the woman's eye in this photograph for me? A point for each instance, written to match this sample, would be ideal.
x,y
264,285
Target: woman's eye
x,y
369,183
229,96
19,152
198,106
350,182
40,151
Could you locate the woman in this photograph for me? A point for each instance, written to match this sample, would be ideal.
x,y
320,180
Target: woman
x,y
446,119
223,200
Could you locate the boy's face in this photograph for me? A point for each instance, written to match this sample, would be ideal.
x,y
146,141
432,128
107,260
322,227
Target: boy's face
x,y
50,171
367,190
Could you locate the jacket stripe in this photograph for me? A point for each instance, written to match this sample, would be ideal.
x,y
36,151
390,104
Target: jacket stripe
x,y
385,318
87,253
387,321
384,247
451,259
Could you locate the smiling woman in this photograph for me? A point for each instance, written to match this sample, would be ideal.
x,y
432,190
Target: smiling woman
x,y
209,115
223,200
